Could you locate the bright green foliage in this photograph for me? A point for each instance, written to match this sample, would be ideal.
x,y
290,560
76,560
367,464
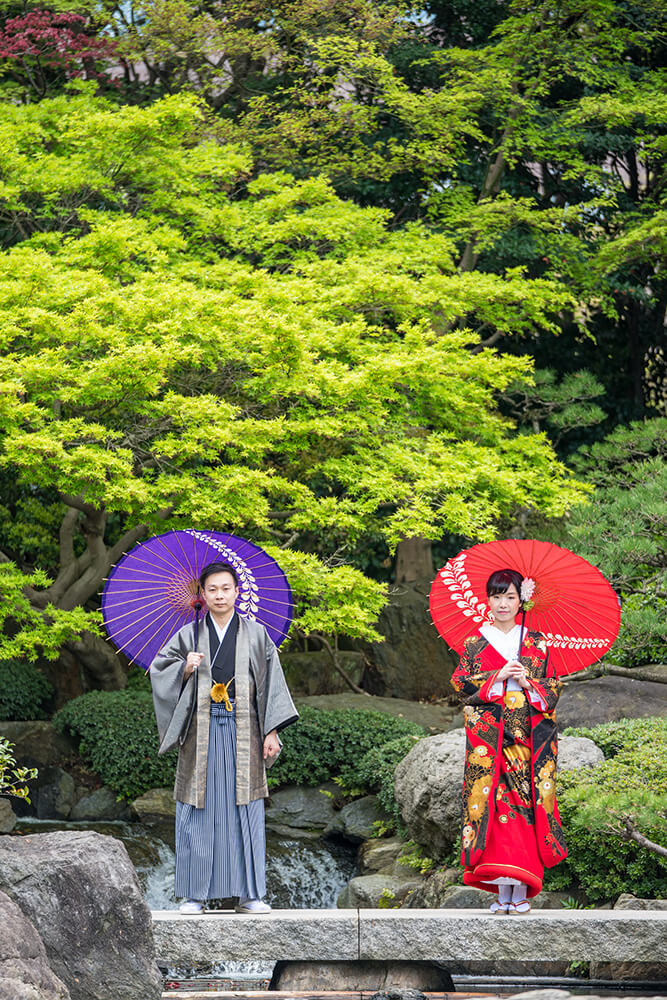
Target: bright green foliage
x,y
118,739
274,365
13,778
374,773
322,744
594,802
24,691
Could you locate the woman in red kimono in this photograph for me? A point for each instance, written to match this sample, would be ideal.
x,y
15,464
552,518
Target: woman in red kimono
x,y
511,827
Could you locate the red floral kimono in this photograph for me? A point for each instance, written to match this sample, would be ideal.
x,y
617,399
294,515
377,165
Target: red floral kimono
x,y
511,827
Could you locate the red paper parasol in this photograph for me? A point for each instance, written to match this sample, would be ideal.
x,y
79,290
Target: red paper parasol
x,y
573,604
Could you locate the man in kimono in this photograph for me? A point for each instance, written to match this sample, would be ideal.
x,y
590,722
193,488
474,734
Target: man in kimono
x,y
242,703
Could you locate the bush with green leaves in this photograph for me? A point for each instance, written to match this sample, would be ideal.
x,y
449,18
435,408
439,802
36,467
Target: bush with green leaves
x,y
325,744
595,803
24,692
374,773
118,739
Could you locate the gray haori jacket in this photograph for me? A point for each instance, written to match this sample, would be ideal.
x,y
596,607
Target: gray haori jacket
x,y
263,703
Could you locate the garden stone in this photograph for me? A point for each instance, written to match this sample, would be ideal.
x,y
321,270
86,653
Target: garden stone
x,y
304,808
356,820
608,699
37,744
7,816
628,902
378,855
576,752
366,891
52,794
25,973
307,977
80,890
428,786
431,894
155,805
98,805
392,994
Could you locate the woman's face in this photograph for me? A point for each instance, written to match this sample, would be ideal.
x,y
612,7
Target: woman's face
x,y
505,607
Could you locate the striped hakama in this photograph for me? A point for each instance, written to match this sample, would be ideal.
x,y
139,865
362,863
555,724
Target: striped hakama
x,y
221,849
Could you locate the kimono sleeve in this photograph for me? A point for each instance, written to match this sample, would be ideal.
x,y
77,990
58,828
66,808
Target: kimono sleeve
x,y
166,674
475,686
280,711
544,691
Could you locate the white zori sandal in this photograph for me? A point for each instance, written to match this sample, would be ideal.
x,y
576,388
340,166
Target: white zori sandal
x,y
522,906
191,906
498,907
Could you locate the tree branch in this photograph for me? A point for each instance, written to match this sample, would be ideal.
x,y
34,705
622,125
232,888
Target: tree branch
x,y
335,662
630,832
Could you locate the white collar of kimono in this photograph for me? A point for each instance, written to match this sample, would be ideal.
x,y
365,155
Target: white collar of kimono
x,y
505,643
221,630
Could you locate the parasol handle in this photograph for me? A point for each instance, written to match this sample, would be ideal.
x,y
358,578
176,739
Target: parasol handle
x,y
198,607
521,631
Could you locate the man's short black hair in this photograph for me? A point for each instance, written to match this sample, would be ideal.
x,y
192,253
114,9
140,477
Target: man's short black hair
x,y
217,567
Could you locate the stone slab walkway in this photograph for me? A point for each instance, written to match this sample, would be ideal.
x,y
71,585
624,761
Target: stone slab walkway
x,y
426,935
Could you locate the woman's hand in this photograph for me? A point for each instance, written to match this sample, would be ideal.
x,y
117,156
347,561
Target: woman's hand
x,y
516,670
192,662
271,745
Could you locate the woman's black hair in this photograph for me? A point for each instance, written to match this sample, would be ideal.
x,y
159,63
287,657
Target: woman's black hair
x,y
500,582
217,567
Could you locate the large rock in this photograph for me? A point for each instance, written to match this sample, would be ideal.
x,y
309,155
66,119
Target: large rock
x,y
428,785
356,820
306,977
7,816
37,744
607,699
101,804
303,808
413,662
52,795
575,752
81,892
314,673
155,805
379,855
431,894
25,973
370,891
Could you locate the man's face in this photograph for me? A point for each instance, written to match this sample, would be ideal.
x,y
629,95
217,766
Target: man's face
x,y
220,592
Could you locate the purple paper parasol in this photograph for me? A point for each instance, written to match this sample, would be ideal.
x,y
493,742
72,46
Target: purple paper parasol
x,y
151,592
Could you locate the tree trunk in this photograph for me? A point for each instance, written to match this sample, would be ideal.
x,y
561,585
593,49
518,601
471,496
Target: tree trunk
x,y
414,560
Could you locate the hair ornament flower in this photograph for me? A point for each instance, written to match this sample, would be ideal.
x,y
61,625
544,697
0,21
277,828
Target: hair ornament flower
x,y
526,593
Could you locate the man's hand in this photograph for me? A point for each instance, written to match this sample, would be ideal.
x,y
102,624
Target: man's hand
x,y
271,745
515,670
192,662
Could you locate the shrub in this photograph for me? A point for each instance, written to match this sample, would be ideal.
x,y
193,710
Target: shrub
x,y
324,744
24,692
118,738
593,802
375,772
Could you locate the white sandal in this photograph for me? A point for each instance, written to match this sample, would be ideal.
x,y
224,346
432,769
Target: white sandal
x,y
193,906
498,907
522,906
